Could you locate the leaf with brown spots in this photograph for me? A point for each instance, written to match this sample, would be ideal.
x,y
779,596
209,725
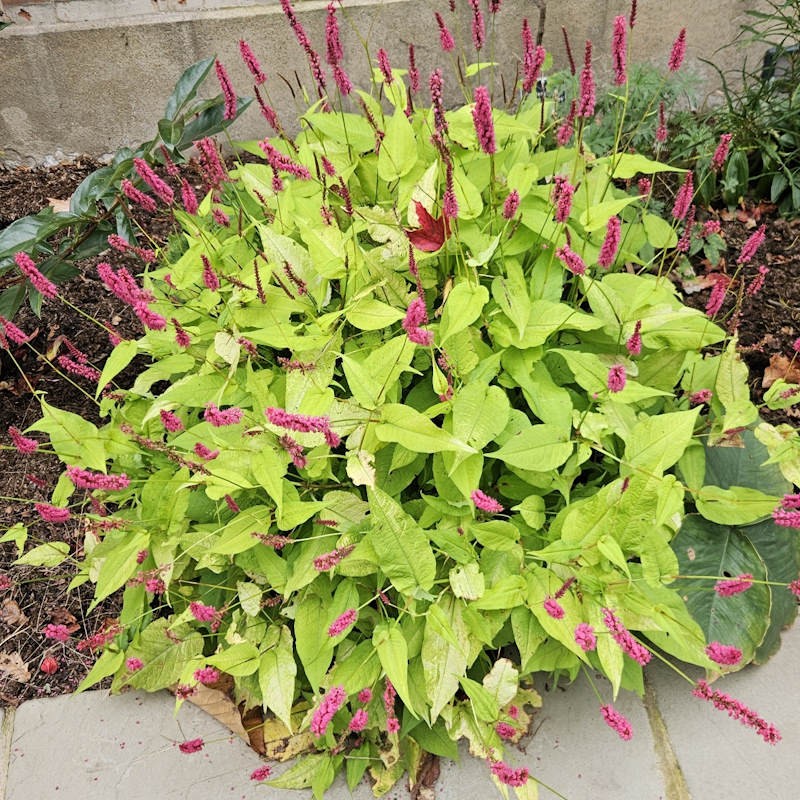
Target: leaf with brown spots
x,y
12,665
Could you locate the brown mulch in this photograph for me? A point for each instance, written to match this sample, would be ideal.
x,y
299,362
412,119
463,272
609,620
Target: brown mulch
x,y
768,325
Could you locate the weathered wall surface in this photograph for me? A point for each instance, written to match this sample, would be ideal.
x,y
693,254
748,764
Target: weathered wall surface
x,y
88,76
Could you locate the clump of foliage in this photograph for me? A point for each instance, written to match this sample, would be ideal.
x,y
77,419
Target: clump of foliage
x,y
761,108
423,417
59,240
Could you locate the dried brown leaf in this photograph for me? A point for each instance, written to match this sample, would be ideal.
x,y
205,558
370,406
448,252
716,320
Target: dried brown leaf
x,y
11,614
58,205
61,616
12,665
217,704
780,367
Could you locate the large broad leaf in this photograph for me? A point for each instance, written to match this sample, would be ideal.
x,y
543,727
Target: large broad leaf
x,y
403,549
539,448
480,413
656,443
744,466
414,431
464,305
398,152
720,551
74,439
164,657
444,653
393,654
276,674
314,646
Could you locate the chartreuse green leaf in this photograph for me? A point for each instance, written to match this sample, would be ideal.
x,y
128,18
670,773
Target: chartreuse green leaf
x,y
737,505
656,443
17,533
237,535
510,292
597,215
539,448
249,594
373,315
392,650
304,772
398,153
444,662
463,306
120,357
483,703
50,554
721,551
119,565
435,740
276,677
528,635
467,582
414,431
480,413
404,551
163,656
75,439
314,646
238,659
107,664
626,165
732,390
502,682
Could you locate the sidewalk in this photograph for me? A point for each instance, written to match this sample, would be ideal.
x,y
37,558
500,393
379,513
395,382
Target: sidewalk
x,y
96,747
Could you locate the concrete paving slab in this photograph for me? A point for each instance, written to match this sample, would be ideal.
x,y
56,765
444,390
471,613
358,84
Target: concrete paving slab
x,y
720,757
96,747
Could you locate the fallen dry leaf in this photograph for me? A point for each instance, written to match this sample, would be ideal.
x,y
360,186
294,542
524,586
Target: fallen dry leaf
x,y
218,705
58,205
281,745
780,367
60,616
11,614
24,14
253,721
13,666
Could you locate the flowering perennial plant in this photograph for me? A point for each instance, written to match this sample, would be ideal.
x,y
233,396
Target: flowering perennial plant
x,y
423,420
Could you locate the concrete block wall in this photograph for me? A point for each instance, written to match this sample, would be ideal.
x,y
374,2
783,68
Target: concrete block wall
x,y
88,76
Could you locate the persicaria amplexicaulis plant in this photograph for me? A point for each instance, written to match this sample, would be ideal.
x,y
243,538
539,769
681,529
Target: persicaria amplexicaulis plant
x,y
422,418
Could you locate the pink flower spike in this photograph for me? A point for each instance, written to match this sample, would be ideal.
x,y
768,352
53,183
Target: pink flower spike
x,y
342,622
359,721
85,479
553,608
511,204
201,612
485,503
750,247
532,59
505,731
384,66
227,90
562,194
786,519
617,722
608,252
417,315
478,25
331,703
571,260
700,397
218,419
134,664
619,50
206,675
584,636
587,85
365,695
160,189
201,451
634,343
445,37
50,513
508,775
210,279
723,653
413,72
43,285
191,746
678,52
728,588
58,633
482,118
188,197
683,198
261,773
138,197
392,725
717,296
623,637
738,711
251,62
721,153
23,444
794,588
